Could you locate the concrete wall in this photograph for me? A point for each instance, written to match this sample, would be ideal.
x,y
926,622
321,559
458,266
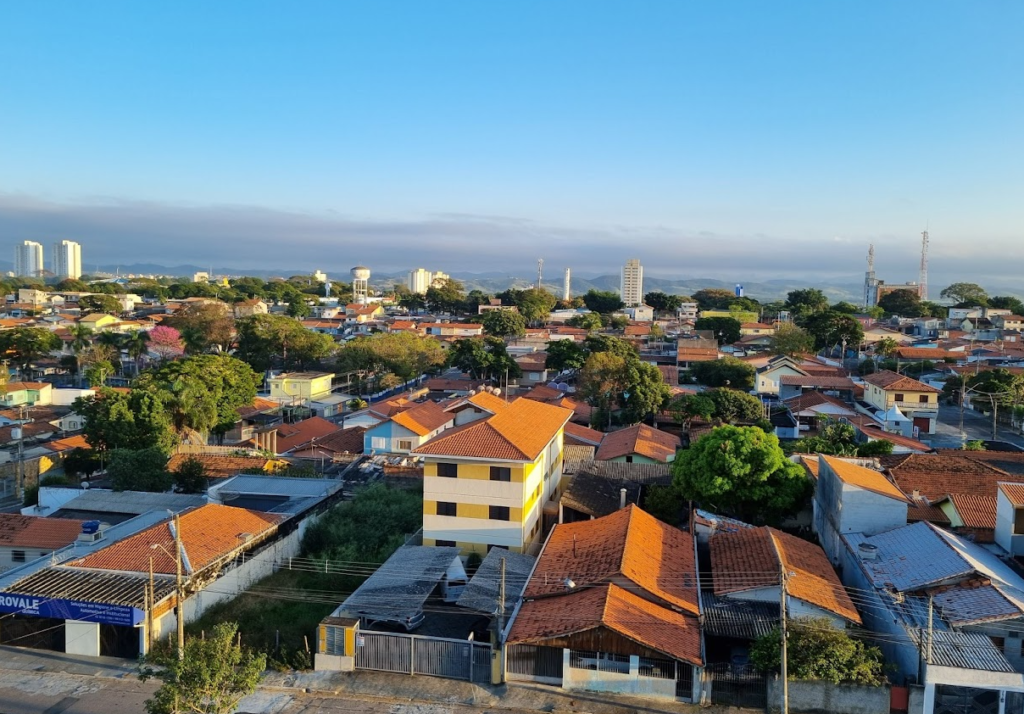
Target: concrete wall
x,y
827,697
82,638
794,606
591,680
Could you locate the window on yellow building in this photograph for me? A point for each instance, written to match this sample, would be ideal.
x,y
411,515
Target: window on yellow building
x,y
501,473
444,508
448,470
498,513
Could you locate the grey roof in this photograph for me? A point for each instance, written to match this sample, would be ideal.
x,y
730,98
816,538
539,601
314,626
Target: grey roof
x,y
598,495
966,650
576,457
400,587
278,486
973,605
133,502
481,593
910,558
739,619
646,474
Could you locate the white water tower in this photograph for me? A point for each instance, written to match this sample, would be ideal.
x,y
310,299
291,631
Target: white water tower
x,y
360,284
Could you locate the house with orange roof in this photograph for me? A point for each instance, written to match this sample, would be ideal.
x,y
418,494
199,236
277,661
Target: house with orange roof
x,y
612,606
27,393
639,444
407,429
493,480
918,402
250,308
25,538
478,405
1009,531
853,497
746,565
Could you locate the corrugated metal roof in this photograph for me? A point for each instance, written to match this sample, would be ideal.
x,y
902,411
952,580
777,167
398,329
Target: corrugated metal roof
x,y
100,587
741,619
970,605
132,501
966,650
910,558
481,593
277,486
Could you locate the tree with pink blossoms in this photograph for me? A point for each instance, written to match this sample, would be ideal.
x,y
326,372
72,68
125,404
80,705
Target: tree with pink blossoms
x,y
166,343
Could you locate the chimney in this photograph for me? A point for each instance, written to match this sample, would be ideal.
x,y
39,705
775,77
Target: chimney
x,y
622,498
868,551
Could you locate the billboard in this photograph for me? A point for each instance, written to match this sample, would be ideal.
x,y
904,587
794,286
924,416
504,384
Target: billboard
x,y
71,609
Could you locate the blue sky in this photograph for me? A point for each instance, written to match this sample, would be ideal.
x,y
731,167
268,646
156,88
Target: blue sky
x,y
458,135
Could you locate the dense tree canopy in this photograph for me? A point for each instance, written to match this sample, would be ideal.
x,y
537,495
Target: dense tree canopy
x,y
614,377
136,469
563,355
726,329
602,301
830,329
268,340
1007,302
100,303
662,302
504,323
966,294
791,340
24,345
743,472
133,420
903,302
446,296
533,304
585,321
204,325
725,372
714,298
818,650
483,358
402,353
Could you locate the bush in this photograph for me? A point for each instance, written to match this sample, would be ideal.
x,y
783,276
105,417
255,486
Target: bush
x,y
139,470
818,650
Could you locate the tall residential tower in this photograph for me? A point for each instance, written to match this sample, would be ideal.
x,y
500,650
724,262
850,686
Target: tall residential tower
x,y
28,259
632,286
67,260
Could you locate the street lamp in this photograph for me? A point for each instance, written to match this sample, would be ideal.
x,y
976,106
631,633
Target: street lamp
x,y
964,391
179,591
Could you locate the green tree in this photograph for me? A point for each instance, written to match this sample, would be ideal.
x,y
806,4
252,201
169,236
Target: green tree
x,y
905,303
740,471
80,335
974,445
266,340
791,340
847,308
202,393
589,321
413,302
725,372
446,296
70,285
536,304
563,355
726,329
645,391
818,650
97,373
804,303
714,298
733,406
403,353
474,299
602,301
191,476
139,470
118,420
298,308
504,323
24,345
81,462
602,380
100,303
830,329
610,343
692,406
214,675
483,358
204,325
966,294
662,302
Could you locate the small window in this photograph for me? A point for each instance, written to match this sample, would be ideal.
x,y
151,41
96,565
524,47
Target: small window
x,y
501,473
498,513
448,470
18,556
899,397
444,543
923,399
378,442
404,445
445,508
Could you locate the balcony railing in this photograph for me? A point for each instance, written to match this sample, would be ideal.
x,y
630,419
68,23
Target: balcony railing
x,y
917,406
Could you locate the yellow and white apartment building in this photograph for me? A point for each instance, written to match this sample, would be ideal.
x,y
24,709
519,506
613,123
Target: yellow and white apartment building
x,y
486,482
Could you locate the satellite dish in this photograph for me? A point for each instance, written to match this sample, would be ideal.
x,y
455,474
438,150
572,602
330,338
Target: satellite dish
x,y
496,392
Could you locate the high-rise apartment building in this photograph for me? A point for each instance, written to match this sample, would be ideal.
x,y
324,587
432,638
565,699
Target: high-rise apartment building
x,y
421,279
67,260
632,286
28,259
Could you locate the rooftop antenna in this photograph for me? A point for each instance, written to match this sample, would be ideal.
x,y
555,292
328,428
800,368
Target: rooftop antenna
x,y
922,281
540,272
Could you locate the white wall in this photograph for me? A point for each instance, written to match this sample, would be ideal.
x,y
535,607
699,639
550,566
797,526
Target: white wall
x,y
616,682
82,638
794,606
66,397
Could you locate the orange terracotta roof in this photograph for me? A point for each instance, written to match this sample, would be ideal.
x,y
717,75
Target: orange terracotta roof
x,y
20,386
423,418
489,402
975,511
640,440
614,608
290,436
1014,492
921,510
928,353
808,400
890,382
544,393
749,559
861,477
937,475
579,435
17,531
627,544
220,465
816,381
518,433
636,331
67,444
258,406
208,533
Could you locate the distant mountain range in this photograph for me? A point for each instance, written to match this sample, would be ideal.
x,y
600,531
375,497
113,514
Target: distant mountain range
x,y
493,282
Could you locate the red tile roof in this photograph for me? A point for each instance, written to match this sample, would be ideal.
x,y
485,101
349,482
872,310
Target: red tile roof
x,y
1014,492
975,511
290,436
749,559
640,440
935,476
208,533
221,465
17,531
67,444
928,353
544,393
423,418
817,381
581,435
630,544
861,477
518,433
891,382
614,608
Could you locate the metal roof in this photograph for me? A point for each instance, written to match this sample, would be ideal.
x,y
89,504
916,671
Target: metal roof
x,y
740,619
481,593
132,501
598,495
401,586
910,558
277,486
966,650
91,586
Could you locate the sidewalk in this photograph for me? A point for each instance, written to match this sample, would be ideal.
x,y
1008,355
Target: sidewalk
x,y
379,687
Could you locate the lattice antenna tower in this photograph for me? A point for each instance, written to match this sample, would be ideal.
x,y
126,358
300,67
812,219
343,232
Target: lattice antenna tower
x,y
540,272
869,278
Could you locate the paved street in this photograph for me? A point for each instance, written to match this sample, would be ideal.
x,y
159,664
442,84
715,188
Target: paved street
x,y
976,426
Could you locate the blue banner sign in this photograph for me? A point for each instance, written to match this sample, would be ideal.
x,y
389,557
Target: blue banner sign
x,y
71,609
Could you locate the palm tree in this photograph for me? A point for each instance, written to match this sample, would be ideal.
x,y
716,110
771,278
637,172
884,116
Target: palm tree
x,y
80,334
137,344
886,347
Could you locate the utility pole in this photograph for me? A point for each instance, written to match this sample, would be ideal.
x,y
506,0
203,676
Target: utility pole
x,y
501,602
785,635
180,596
149,610
931,630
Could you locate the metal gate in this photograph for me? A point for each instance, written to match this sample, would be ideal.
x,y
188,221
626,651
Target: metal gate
x,y
432,656
532,662
738,685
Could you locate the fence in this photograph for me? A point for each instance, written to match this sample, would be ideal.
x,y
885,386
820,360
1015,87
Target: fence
x,y
432,656
534,663
737,685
